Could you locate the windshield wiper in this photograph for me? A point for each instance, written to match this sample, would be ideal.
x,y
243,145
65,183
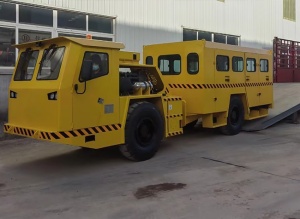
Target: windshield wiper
x,y
51,47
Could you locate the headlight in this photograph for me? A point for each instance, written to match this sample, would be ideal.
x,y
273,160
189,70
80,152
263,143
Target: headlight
x,y
12,94
52,96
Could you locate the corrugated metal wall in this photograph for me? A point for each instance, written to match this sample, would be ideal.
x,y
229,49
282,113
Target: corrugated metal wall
x,y
142,22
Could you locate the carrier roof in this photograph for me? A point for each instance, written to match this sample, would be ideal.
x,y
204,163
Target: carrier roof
x,y
214,45
235,48
80,41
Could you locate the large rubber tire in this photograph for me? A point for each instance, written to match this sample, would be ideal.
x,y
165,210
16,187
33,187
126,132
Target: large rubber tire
x,y
235,119
143,132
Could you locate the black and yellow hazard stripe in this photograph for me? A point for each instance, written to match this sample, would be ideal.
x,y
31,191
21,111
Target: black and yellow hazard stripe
x,y
174,115
172,99
175,133
65,134
20,131
213,86
80,132
6,128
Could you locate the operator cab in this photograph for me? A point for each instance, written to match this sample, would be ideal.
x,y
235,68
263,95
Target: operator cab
x,y
49,77
70,84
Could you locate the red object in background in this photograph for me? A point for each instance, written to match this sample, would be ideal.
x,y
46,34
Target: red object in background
x,y
286,55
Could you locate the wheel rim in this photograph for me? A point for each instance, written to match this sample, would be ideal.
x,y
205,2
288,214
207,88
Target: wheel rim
x,y
235,116
145,131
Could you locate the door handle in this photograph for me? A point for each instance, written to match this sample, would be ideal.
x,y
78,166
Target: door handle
x,y
267,78
227,78
76,88
247,78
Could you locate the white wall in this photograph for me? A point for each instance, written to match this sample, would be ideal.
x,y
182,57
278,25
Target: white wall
x,y
142,22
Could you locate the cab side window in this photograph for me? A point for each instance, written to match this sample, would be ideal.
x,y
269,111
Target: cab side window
x,y
149,60
222,63
169,64
264,66
193,63
94,65
251,65
237,64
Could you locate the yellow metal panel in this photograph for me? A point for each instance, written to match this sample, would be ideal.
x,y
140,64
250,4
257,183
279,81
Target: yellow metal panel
x,y
124,104
32,109
102,139
89,108
80,41
165,113
174,115
235,48
252,82
205,78
229,82
174,107
102,136
129,57
174,126
196,88
266,82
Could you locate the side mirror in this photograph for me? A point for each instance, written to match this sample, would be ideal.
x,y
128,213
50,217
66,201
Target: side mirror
x,y
86,71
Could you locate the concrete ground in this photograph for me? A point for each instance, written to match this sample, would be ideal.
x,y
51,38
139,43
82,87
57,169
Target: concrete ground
x,y
201,174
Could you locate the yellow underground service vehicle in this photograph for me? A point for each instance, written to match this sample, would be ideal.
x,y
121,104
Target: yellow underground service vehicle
x,y
90,93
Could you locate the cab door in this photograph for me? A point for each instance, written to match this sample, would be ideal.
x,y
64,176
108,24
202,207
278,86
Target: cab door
x,y
252,80
96,100
266,79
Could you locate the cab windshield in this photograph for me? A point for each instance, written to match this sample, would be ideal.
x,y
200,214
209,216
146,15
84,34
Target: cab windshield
x,y
51,63
26,65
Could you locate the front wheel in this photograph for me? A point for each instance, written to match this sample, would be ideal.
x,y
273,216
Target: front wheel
x,y
235,117
143,131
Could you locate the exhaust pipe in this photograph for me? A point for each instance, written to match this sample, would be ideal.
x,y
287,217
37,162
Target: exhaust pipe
x,y
144,85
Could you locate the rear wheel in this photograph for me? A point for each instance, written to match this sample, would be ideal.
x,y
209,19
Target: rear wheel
x,y
143,132
235,117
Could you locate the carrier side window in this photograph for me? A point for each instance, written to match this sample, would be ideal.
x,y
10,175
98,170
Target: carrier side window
x,y
222,63
237,64
149,60
94,65
51,63
264,65
26,66
193,63
251,65
169,64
